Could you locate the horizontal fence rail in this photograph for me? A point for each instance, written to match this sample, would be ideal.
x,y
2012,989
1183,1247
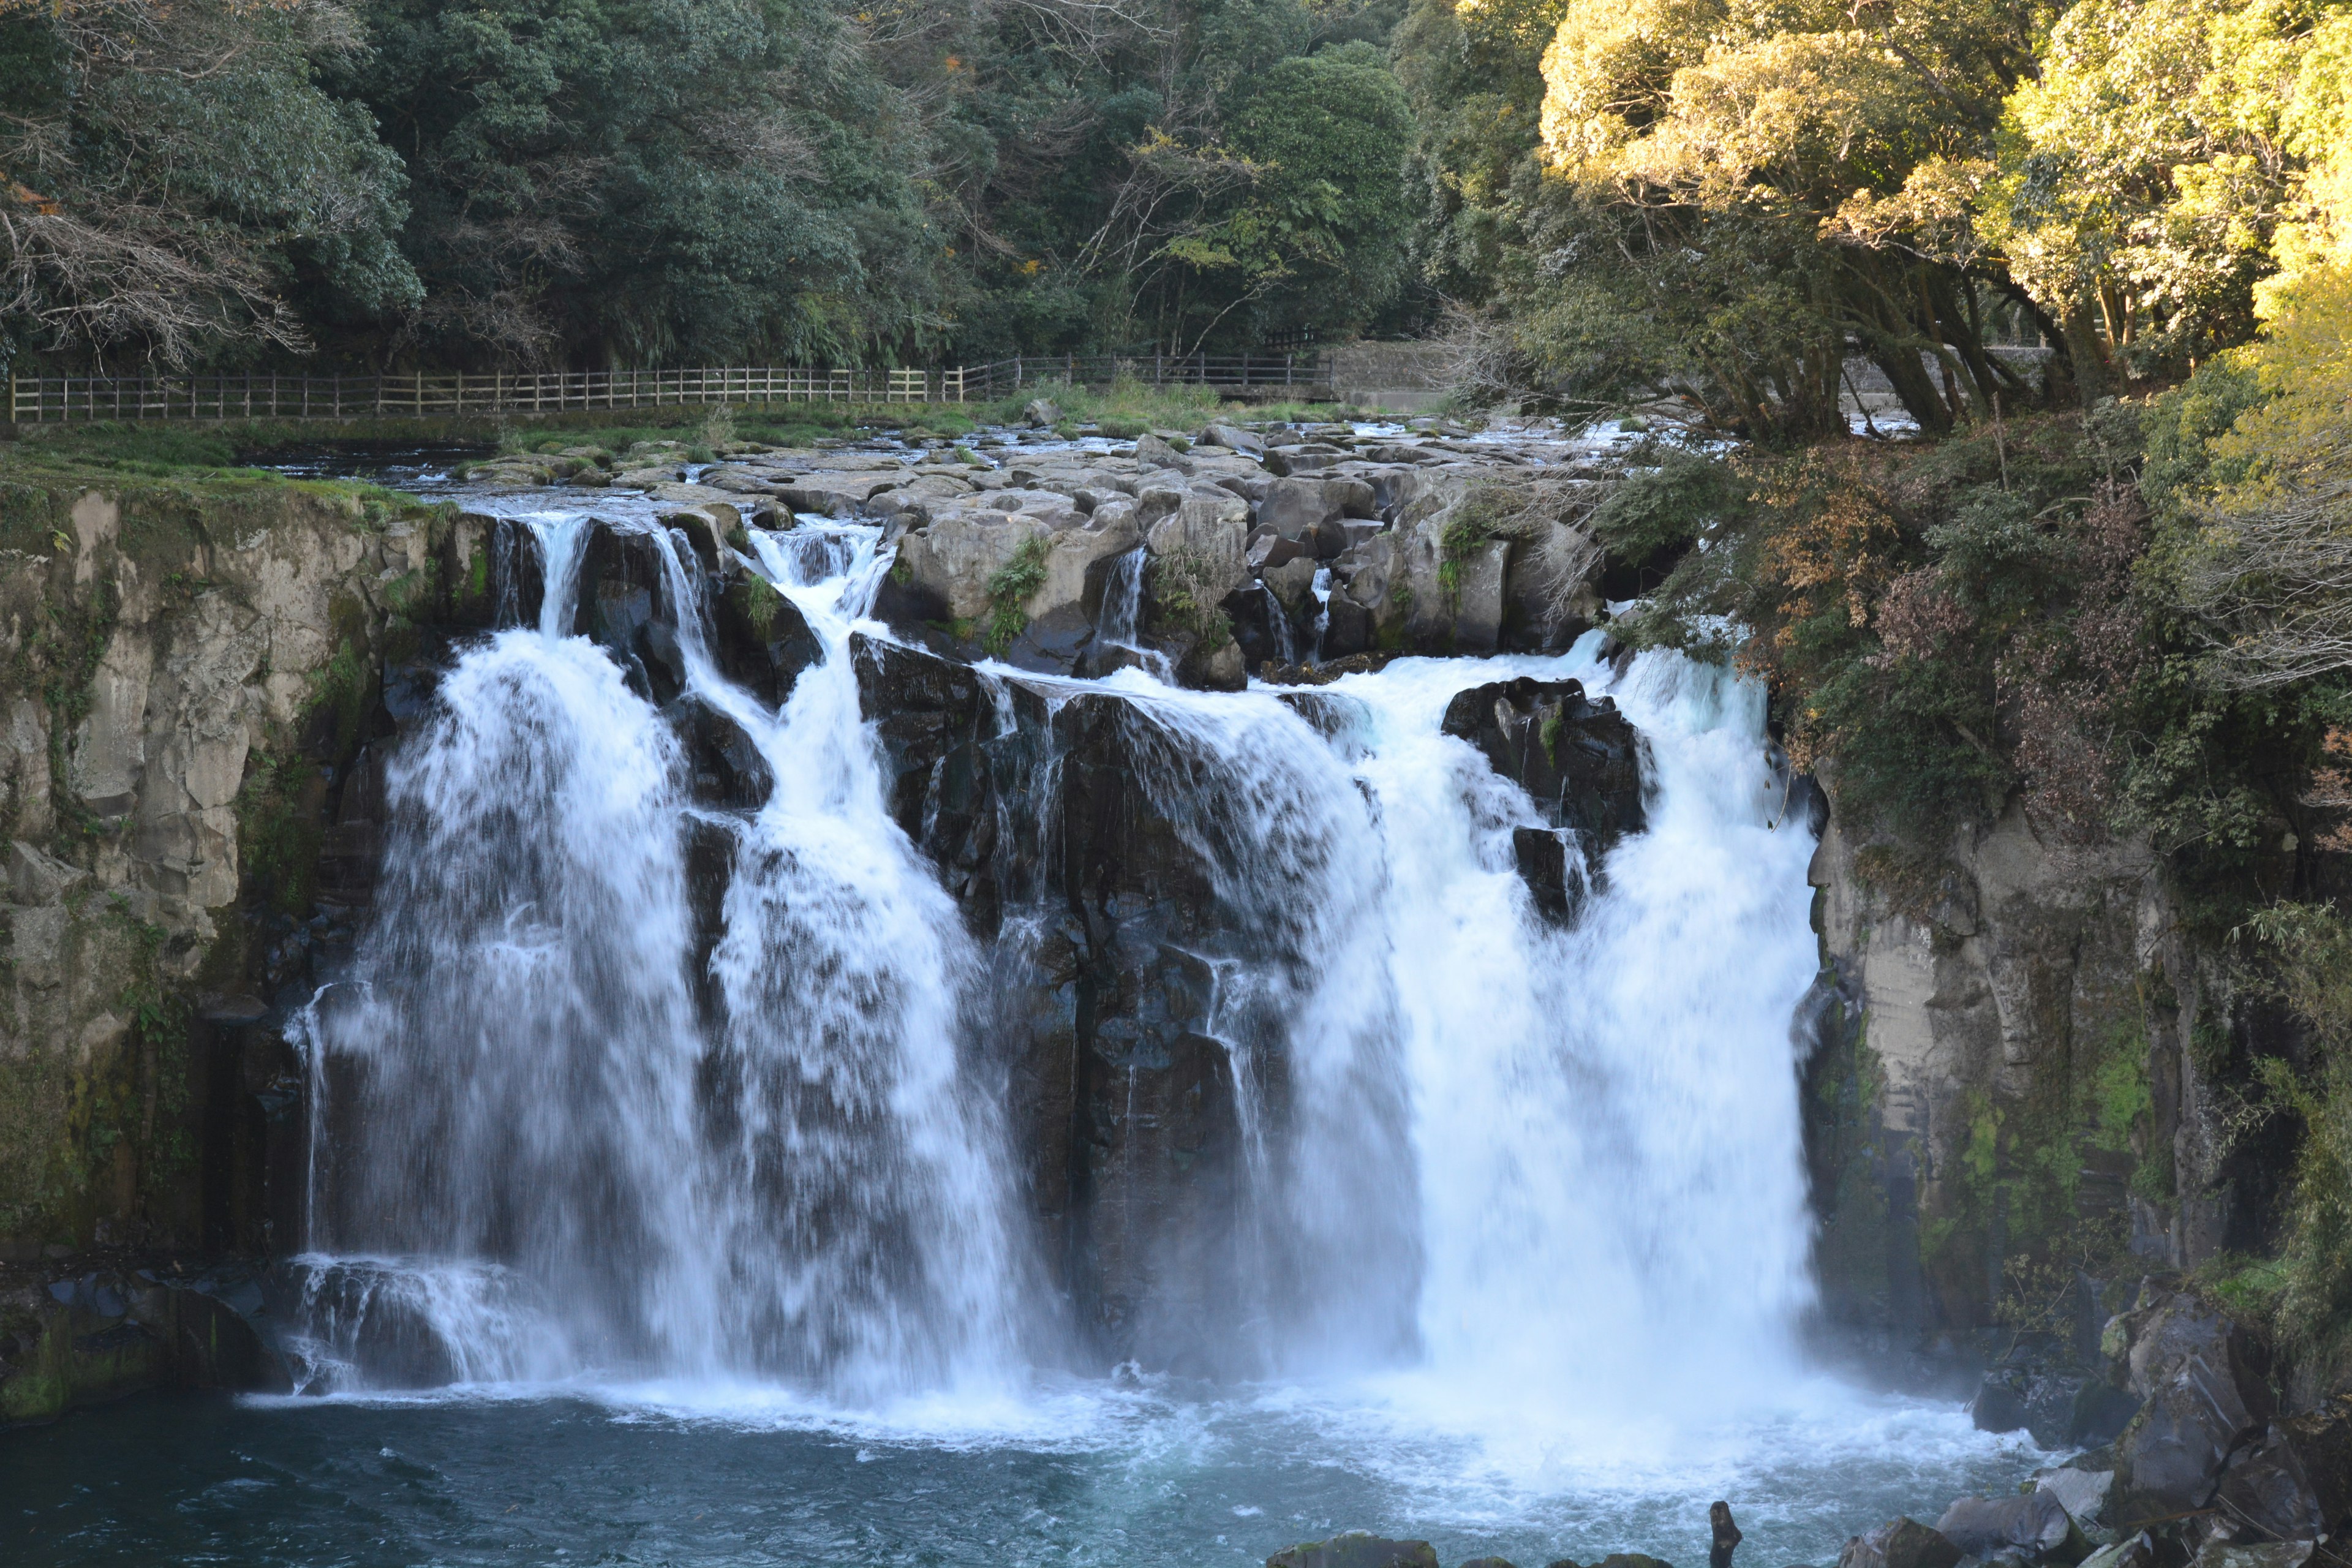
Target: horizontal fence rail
x,y
52,399
1299,375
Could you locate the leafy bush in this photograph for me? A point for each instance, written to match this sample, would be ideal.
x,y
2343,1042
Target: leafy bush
x,y
1009,588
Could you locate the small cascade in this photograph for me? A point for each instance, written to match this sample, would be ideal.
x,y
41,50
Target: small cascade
x,y
1120,625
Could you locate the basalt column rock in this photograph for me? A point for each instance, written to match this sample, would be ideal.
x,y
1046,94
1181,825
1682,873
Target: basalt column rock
x,y
1581,761
961,753
1152,1195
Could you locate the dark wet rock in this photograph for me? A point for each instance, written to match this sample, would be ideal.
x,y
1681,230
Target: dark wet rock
x,y
2265,1491
2323,1441
2000,1403
1339,720
2201,1377
518,574
1323,674
1723,1535
100,1333
762,641
711,841
1153,1133
1264,629
1578,759
623,607
1488,1562
1357,1549
1555,880
1900,1543
724,766
2062,1407
951,757
2035,1524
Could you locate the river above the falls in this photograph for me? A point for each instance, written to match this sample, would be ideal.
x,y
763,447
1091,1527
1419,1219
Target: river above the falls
x,y
1521,1266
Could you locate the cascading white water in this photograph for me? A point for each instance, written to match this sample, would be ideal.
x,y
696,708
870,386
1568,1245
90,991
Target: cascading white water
x,y
1546,1164
1535,1165
1613,1194
517,1075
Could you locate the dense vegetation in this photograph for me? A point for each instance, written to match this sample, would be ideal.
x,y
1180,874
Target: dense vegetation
x,y
474,183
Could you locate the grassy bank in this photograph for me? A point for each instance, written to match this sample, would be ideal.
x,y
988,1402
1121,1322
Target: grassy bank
x,y
176,448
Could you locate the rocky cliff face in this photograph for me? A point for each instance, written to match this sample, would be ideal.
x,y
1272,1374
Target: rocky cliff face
x,y
2012,1107
193,674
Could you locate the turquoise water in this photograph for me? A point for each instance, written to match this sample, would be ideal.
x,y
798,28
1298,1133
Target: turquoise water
x,y
1089,1475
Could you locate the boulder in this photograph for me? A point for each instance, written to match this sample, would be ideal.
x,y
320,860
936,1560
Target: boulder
x,y
943,570
1292,507
1899,1543
1152,452
762,641
1357,1549
624,606
1042,413
1233,439
1488,1562
1549,600
1074,559
2082,1493
1214,529
2200,1377
945,761
2035,1524
1580,760
1292,583
724,767
2266,1489
1554,876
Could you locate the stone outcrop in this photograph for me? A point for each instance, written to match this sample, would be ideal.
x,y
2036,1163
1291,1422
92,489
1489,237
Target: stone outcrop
x,y
108,1331
1125,1104
1009,556
1357,1549
1976,995
192,798
1900,1543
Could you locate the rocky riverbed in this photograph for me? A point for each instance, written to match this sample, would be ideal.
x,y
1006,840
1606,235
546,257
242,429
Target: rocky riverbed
x,y
1284,544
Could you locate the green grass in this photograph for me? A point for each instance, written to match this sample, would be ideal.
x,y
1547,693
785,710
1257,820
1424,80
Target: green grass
x,y
169,449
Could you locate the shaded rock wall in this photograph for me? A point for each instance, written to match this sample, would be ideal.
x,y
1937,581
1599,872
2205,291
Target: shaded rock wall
x,y
2011,1104
192,676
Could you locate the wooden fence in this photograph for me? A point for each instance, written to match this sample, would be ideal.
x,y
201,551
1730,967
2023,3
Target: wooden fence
x,y
51,399
1307,377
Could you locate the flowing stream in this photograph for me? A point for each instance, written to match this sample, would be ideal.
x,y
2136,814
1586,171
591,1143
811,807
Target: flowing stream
x,y
724,1262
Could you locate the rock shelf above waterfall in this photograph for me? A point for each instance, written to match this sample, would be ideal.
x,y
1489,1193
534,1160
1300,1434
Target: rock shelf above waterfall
x,y
1271,544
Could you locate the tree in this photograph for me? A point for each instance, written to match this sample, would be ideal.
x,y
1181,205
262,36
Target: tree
x,y
179,187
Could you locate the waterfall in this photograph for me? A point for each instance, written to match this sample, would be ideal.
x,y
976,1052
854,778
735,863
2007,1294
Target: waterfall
x,y
1523,1159
1612,1193
625,1084
539,1156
